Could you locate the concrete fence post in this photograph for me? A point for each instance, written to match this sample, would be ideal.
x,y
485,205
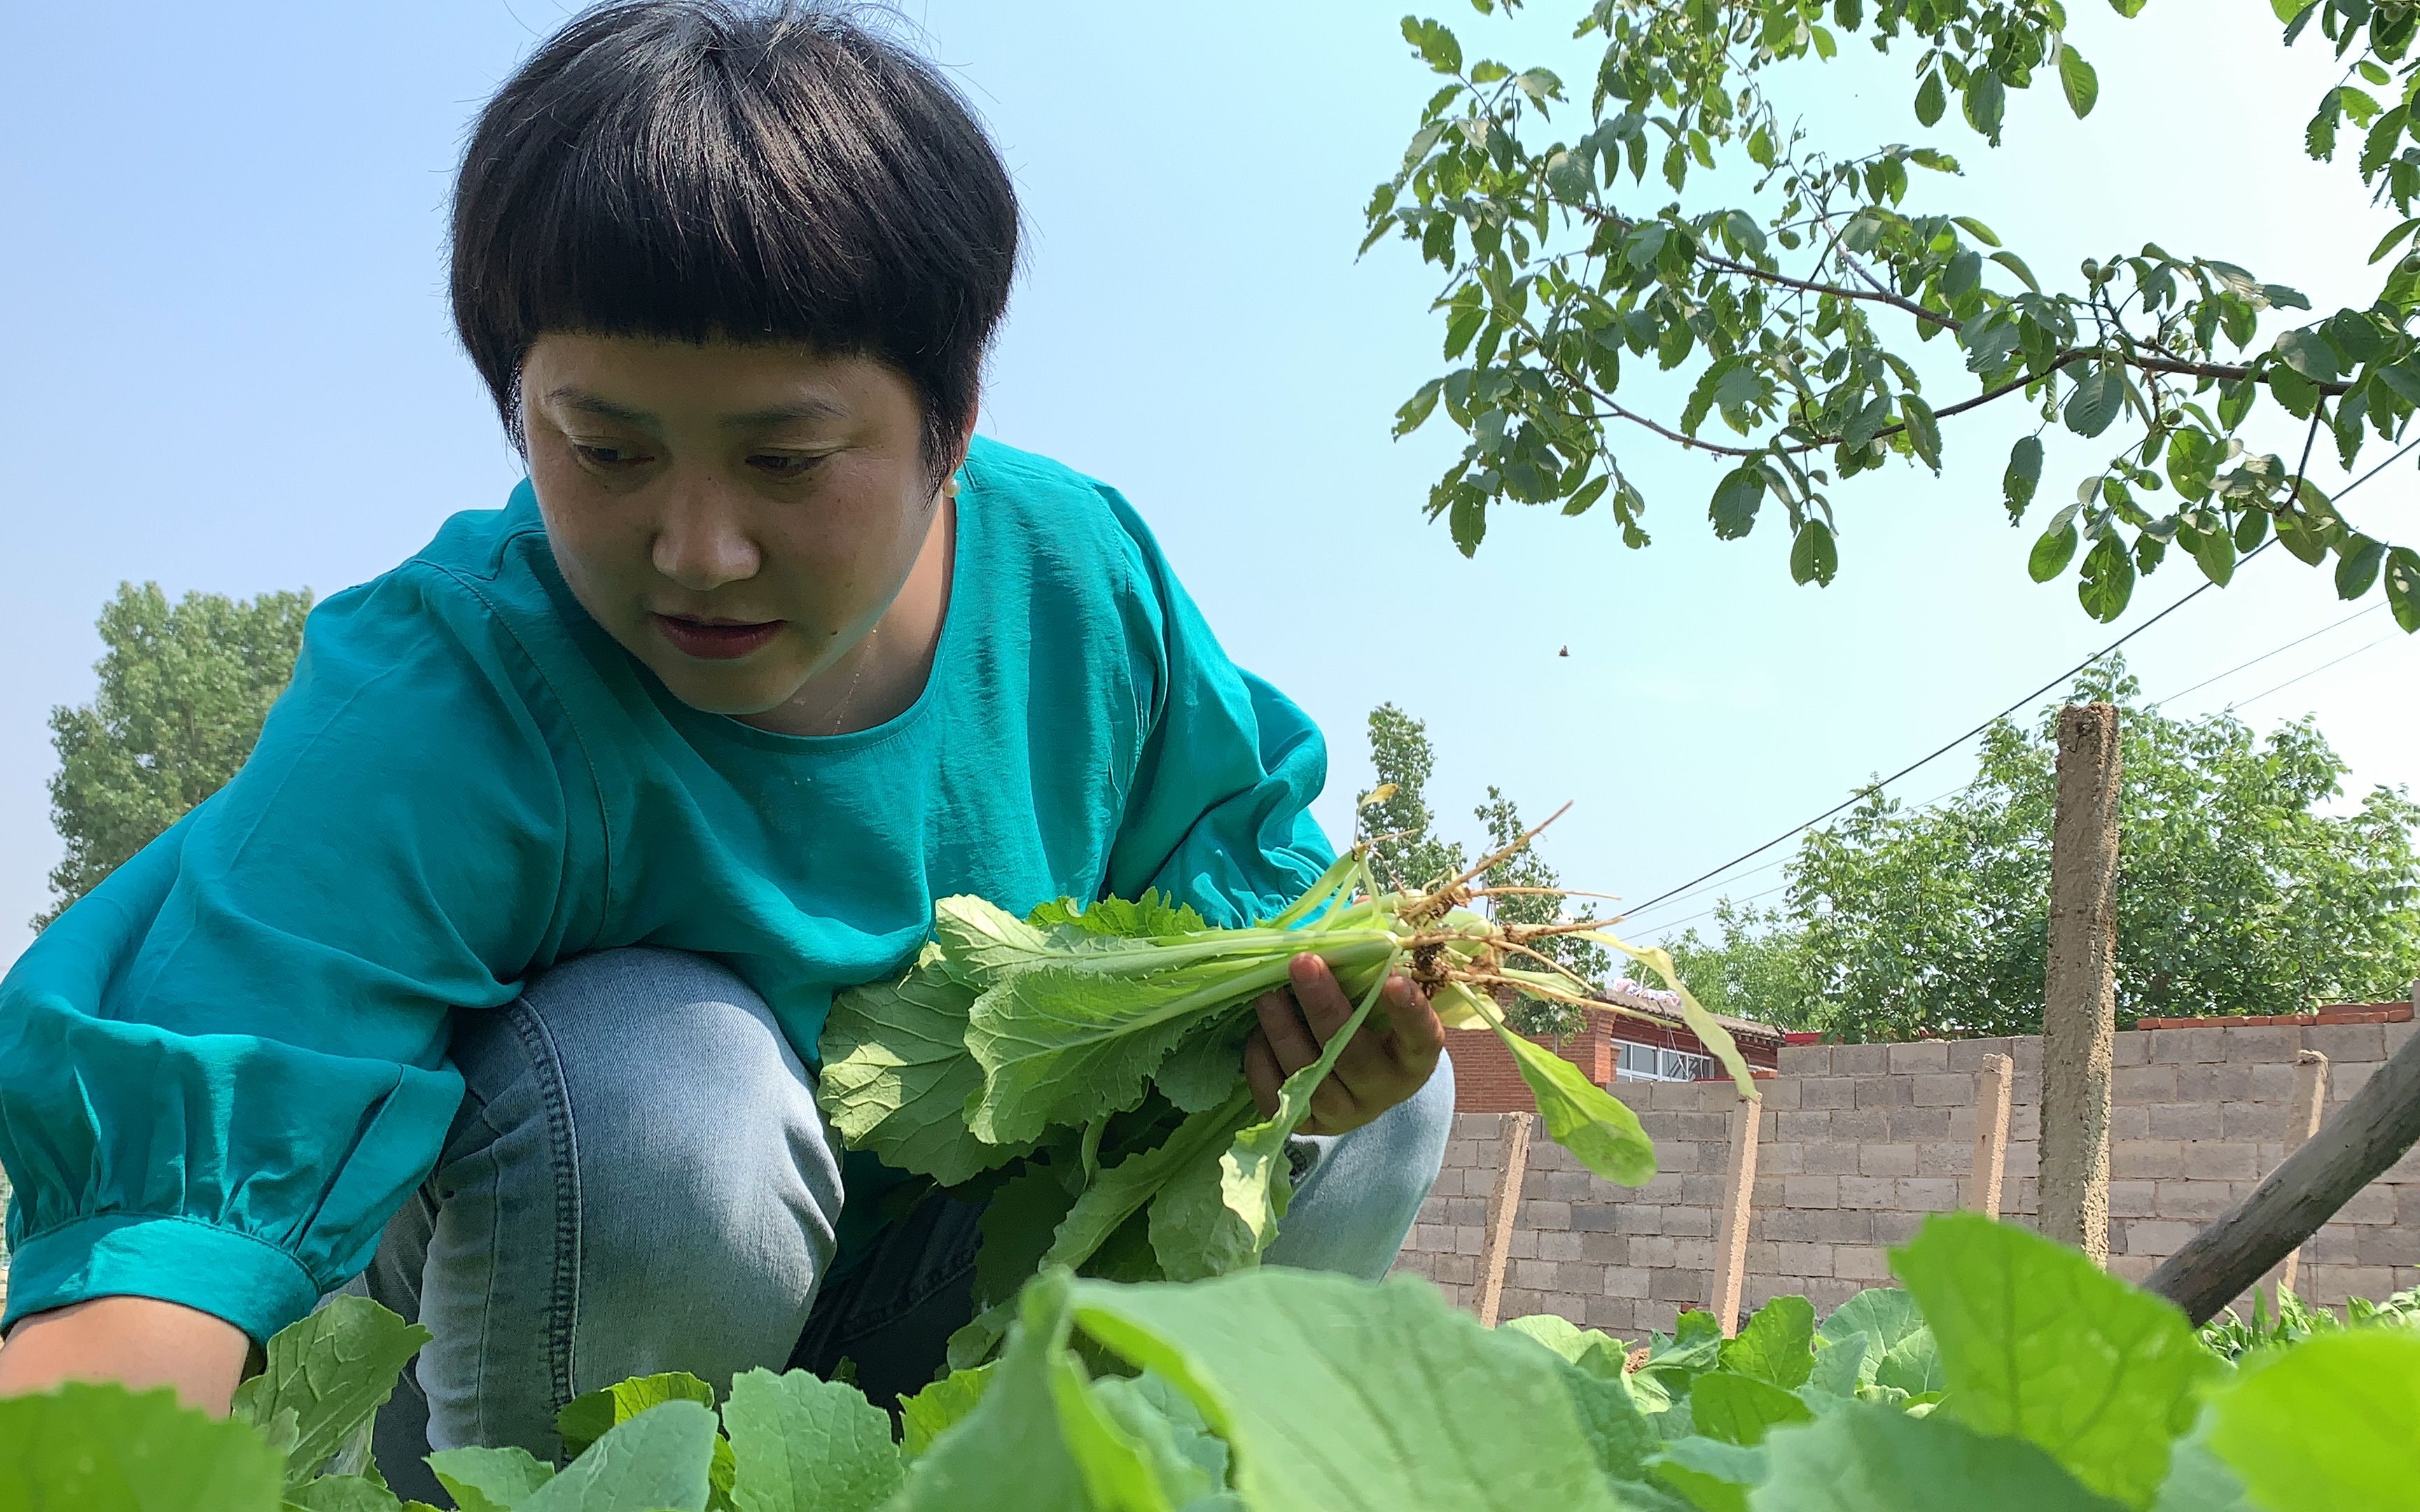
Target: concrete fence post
x,y
2310,1107
1503,1208
1992,1085
1731,1221
2080,1001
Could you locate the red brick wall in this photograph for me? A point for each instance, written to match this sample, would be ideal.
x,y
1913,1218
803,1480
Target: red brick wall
x,y
1486,1081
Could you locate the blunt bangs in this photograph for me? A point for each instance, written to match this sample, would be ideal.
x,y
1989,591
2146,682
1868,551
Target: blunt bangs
x,y
699,169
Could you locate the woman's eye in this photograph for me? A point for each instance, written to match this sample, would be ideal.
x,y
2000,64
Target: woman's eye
x,y
610,458
784,464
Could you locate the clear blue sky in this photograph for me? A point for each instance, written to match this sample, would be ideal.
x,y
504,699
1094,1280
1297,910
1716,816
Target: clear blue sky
x,y
229,368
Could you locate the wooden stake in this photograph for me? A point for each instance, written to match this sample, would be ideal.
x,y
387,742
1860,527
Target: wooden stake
x,y
1991,1089
1503,1207
1731,1238
2080,999
2310,1107
2371,1132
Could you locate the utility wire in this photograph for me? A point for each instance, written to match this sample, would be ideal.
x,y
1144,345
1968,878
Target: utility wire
x,y
2266,654
2316,671
1946,747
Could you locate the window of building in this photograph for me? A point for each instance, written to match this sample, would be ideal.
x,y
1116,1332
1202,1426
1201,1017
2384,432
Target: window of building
x,y
1653,1063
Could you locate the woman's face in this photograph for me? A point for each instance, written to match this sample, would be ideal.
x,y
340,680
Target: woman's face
x,y
739,516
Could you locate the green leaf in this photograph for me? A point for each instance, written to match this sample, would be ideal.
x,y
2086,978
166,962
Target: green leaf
x,y
1187,1458
1865,1458
2328,1426
1209,1224
2022,478
1070,1037
1009,1453
2214,554
1741,1410
2039,1344
2016,265
1618,1432
332,1370
1582,1117
343,1493
2308,353
1736,500
590,1416
490,1480
897,1075
85,1448
924,1416
2394,239
2095,400
2403,587
1777,1346
1930,102
1336,1395
1417,408
2052,552
1814,555
800,1444
1984,101
1923,431
1713,1476
2358,560
656,1461
2075,76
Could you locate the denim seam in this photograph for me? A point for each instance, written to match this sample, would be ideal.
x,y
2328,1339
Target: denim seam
x,y
563,1155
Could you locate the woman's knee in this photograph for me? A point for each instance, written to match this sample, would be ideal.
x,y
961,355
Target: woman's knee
x,y
689,1177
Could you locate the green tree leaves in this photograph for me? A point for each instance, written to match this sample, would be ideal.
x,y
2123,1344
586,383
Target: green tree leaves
x,y
184,691
1790,291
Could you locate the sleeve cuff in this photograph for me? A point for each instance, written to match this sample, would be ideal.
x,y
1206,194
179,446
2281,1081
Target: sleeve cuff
x,y
249,1281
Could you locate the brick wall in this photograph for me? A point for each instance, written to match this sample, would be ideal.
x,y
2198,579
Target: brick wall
x,y
1485,1080
1859,1142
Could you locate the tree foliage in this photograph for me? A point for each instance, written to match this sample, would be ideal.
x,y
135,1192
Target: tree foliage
x,y
183,690
2239,892
1582,257
1395,813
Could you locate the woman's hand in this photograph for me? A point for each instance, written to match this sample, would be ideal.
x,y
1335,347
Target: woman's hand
x,y
135,1341
1379,1069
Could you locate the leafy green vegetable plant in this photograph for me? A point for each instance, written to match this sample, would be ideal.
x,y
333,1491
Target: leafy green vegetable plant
x,y
1082,1069
2010,1376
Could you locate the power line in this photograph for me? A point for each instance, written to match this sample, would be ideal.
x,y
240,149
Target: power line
x,y
1944,749
2316,671
2266,654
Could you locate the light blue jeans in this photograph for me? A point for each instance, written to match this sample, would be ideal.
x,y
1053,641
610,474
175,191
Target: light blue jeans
x,y
640,1181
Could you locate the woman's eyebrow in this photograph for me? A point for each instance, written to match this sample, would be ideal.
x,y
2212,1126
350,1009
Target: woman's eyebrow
x,y
783,413
596,404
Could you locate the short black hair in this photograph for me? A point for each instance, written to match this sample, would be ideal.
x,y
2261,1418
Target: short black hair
x,y
693,169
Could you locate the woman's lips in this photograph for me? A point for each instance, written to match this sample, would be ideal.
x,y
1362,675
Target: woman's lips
x,y
715,642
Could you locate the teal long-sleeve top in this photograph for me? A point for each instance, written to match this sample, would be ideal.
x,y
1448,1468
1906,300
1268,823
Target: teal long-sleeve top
x,y
224,1069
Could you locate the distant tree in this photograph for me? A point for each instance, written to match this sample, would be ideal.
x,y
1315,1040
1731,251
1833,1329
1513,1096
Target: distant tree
x,y
183,690
2237,892
1402,829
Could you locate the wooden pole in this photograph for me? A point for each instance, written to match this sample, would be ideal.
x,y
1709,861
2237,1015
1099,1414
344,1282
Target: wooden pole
x,y
2080,999
2310,1106
1503,1207
1731,1238
1991,1089
2350,1150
